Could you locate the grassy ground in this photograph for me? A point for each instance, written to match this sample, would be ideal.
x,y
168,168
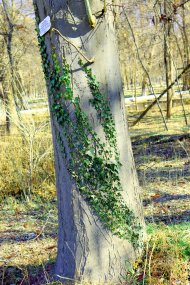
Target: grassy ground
x,y
28,235
163,164
28,230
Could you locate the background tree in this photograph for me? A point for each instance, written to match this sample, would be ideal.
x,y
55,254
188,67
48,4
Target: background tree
x,y
100,214
167,19
18,46
161,32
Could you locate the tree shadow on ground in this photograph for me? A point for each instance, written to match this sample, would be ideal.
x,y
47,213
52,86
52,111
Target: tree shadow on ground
x,y
30,275
165,197
163,201
166,147
172,173
28,237
159,139
164,159
20,236
169,219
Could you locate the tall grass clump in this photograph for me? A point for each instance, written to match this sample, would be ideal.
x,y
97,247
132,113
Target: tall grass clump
x,y
167,255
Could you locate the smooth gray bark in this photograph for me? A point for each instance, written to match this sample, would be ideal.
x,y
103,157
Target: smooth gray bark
x,y
86,249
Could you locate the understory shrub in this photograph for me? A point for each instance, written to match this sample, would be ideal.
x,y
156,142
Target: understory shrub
x,y
27,163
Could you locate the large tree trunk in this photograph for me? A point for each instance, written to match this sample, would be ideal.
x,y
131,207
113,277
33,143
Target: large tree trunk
x,y
95,242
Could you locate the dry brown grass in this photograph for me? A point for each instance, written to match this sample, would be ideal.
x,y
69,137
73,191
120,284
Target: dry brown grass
x,y
163,164
26,156
28,230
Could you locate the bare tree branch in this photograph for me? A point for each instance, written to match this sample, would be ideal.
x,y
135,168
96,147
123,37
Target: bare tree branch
x,y
145,70
182,4
160,96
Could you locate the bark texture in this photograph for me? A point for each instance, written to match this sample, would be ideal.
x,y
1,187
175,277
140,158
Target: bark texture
x,y
86,249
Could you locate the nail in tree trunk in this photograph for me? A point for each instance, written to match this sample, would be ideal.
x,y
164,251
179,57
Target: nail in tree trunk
x,y
100,212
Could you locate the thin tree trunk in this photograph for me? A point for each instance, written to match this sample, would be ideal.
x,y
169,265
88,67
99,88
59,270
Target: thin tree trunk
x,y
168,56
7,102
11,102
145,81
144,84
87,248
5,91
186,78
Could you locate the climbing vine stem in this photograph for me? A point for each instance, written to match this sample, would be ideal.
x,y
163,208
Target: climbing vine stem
x,y
100,103
93,163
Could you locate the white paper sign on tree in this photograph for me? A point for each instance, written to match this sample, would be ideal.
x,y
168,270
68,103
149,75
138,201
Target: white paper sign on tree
x,y
45,26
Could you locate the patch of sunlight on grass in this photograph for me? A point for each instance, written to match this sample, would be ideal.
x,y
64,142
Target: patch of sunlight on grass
x,y
30,252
